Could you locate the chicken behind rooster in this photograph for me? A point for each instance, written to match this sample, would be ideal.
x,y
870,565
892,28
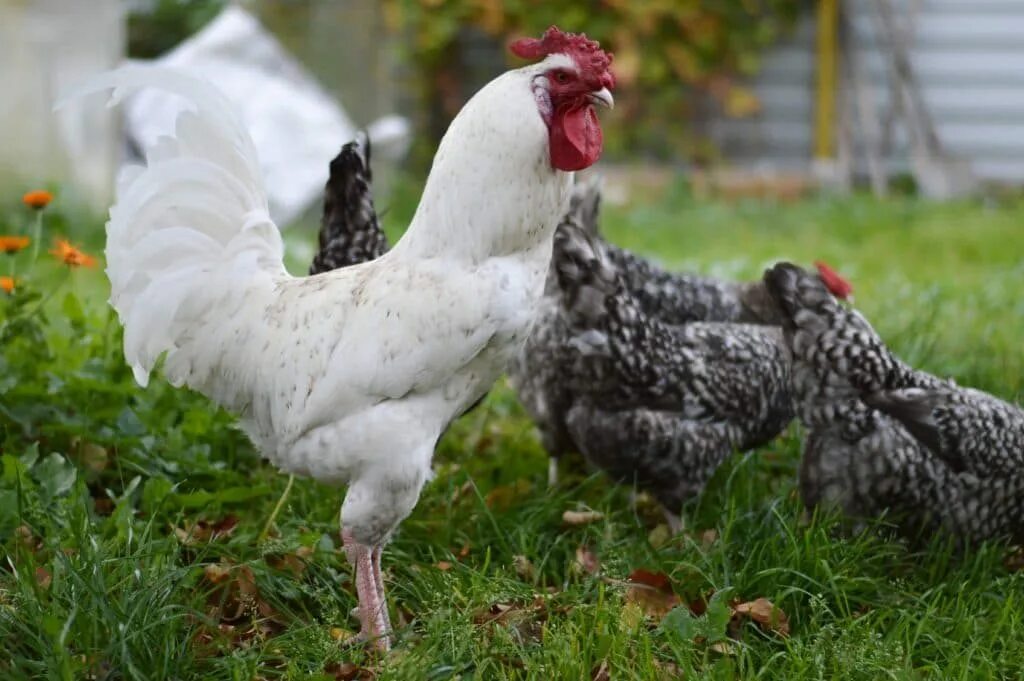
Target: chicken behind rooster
x,y
352,375
885,437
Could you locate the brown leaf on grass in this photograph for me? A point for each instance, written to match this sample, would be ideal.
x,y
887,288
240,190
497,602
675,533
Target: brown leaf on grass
x,y
524,568
462,491
652,591
295,563
23,535
496,612
236,597
505,496
526,619
464,551
43,578
1014,560
708,538
216,573
600,672
203,531
723,648
587,561
348,671
659,536
443,565
93,457
764,613
578,518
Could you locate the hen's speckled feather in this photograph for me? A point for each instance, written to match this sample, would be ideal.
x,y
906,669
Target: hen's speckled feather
x,y
883,437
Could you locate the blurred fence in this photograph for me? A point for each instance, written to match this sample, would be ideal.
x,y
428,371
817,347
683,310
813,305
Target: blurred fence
x,y
967,57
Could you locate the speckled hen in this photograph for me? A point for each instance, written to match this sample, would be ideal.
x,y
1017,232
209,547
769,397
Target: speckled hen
x,y
548,387
351,376
657,404
884,437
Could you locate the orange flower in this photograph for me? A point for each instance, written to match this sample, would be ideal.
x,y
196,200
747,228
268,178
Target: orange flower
x,y
71,256
38,199
13,244
7,284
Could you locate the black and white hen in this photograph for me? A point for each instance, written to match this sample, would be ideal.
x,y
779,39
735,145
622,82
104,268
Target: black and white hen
x,y
649,402
349,230
883,436
549,388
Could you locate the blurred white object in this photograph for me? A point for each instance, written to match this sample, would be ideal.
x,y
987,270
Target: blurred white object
x,y
46,47
297,127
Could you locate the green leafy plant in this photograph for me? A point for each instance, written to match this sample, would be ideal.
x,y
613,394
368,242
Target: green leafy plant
x,y
671,56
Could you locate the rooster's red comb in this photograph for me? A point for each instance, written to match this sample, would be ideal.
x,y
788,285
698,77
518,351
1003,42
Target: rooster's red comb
x,y
592,61
834,282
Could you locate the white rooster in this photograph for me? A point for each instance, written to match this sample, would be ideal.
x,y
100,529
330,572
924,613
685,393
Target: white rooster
x,y
352,375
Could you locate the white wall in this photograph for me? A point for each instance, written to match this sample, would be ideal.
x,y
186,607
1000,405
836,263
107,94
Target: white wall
x,y
47,46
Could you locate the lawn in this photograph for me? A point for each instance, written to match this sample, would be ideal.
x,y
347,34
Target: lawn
x,y
130,518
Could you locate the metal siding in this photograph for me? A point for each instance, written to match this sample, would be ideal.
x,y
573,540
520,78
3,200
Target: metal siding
x,y
969,59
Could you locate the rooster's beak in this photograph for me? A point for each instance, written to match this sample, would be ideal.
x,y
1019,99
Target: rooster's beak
x,y
602,97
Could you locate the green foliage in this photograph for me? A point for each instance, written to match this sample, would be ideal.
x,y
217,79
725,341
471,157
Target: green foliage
x,y
161,24
111,497
669,54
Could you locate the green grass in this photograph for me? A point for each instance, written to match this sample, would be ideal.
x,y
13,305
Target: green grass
x,y
97,474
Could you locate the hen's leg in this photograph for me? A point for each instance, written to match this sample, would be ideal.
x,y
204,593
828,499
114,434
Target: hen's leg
x,y
372,606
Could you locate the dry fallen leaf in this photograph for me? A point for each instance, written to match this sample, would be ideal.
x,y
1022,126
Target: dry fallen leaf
x,y
237,595
600,672
708,538
443,565
587,561
577,518
505,496
723,648
524,568
652,591
202,532
216,573
659,536
339,634
348,671
1014,560
498,612
765,613
43,578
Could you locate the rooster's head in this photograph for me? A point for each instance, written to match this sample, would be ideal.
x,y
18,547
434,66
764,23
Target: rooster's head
x,y
575,76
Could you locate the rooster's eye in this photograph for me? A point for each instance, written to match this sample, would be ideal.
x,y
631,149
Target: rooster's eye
x,y
562,77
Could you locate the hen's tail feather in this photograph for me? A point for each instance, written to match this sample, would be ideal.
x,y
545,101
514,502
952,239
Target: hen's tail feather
x,y
190,230
349,230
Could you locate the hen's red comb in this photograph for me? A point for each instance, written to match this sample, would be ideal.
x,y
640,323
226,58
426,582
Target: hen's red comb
x,y
592,61
834,282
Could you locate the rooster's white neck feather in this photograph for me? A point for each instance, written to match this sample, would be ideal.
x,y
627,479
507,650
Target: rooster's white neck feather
x,y
492,190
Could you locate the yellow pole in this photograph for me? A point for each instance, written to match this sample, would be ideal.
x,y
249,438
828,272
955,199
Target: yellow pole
x,y
825,95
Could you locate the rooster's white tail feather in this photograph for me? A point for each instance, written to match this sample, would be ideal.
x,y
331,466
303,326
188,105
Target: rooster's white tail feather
x,y
190,235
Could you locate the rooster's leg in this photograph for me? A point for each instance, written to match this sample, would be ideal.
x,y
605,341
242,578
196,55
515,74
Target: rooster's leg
x,y
372,606
378,580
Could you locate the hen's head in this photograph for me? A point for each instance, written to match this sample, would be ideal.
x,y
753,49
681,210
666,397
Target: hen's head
x,y
573,77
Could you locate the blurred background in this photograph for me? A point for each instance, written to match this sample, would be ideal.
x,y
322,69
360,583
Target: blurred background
x,y
761,98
